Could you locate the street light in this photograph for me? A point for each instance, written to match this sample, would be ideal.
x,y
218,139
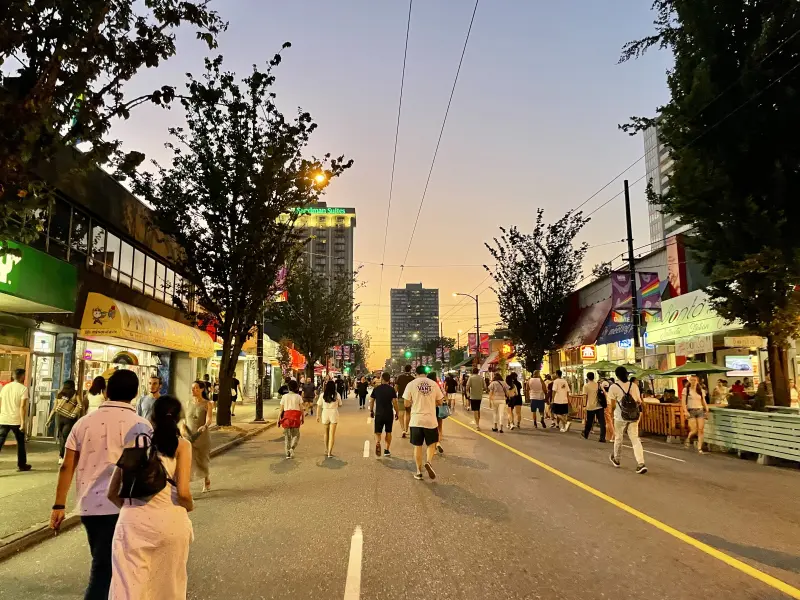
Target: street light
x,y
477,325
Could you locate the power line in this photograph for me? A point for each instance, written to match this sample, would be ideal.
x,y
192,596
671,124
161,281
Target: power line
x,y
394,153
439,141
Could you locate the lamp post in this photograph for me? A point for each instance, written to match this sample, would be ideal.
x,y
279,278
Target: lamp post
x,y
477,325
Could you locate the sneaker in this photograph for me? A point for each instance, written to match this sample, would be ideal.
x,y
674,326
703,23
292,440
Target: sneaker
x,y
24,468
378,449
553,426
439,448
641,470
562,430
501,431
429,469
511,427
543,424
288,455
614,461
418,476
60,461
535,425
566,427
584,436
386,452
601,441
494,429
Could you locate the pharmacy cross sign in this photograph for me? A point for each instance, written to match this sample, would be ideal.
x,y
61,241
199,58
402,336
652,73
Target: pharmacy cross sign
x,y
7,264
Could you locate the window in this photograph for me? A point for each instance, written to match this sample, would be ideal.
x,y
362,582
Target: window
x,y
160,280
58,234
112,256
179,291
169,286
125,263
98,252
138,271
149,275
79,238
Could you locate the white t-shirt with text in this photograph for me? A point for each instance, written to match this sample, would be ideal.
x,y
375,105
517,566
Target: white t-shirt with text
x,y
560,391
423,394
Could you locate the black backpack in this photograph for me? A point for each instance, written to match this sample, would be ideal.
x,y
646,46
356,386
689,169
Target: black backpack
x,y
143,473
628,407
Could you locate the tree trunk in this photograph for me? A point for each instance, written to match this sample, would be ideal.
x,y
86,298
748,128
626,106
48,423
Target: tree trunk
x,y
227,370
778,372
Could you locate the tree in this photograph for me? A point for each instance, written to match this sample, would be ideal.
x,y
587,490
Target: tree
x,y
430,348
230,200
457,355
360,351
601,270
318,312
550,265
74,59
284,356
736,172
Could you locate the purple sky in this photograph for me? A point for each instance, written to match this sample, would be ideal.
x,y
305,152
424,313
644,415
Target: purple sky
x,y
533,123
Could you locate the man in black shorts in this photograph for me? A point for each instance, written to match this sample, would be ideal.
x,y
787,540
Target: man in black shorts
x,y
422,396
402,381
383,409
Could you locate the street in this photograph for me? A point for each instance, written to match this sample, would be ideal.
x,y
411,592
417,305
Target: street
x,y
492,525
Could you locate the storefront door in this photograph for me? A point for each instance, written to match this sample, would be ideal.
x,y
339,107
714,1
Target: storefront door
x,y
45,385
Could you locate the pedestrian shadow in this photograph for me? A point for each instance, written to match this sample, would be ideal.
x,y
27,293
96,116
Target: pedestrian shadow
x,y
460,461
459,500
283,466
765,556
399,464
332,463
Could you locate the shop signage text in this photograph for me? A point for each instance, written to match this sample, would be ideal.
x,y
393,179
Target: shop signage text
x,y
746,341
588,353
33,276
7,264
686,316
319,211
694,345
625,344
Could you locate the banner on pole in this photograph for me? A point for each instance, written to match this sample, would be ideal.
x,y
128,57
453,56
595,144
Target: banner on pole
x,y
472,343
439,354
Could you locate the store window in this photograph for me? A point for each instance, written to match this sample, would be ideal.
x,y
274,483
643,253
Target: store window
x,y
60,216
79,238
169,286
125,263
138,271
149,275
160,281
98,252
112,256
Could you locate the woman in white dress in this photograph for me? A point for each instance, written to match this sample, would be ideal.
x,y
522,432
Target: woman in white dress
x,y
96,394
152,537
328,414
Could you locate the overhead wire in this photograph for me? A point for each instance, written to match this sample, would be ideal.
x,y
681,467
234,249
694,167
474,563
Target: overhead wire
x,y
439,140
394,153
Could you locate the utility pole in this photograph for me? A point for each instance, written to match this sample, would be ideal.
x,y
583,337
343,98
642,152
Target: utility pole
x,y
260,355
632,269
478,333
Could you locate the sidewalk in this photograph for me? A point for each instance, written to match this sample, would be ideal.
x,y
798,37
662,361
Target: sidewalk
x,y
26,498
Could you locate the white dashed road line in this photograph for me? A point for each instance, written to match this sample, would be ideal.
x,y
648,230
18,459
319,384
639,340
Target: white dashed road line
x,y
352,588
366,449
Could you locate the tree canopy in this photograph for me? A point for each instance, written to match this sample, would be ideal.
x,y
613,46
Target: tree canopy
x,y
736,174
318,311
64,69
228,199
549,264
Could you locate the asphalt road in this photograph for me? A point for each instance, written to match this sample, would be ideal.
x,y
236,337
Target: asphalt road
x,y
493,524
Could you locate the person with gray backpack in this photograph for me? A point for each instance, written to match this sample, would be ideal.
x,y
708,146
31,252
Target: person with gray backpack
x,y
627,402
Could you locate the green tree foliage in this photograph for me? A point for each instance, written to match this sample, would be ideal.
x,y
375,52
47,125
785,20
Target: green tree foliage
x,y
318,312
736,174
361,351
63,68
237,173
549,264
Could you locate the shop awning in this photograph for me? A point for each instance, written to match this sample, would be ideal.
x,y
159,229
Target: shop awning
x,y
585,329
105,317
466,361
492,358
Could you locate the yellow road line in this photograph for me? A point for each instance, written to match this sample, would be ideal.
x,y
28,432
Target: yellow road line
x,y
737,564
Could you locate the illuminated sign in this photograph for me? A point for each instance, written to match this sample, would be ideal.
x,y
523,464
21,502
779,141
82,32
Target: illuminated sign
x,y
588,353
319,211
625,344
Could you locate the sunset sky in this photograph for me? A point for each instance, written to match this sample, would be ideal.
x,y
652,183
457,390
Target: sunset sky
x,y
533,124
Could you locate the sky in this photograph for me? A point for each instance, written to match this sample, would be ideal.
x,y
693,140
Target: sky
x,y
533,124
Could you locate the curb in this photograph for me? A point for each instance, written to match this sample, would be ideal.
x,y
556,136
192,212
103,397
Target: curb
x,y
40,532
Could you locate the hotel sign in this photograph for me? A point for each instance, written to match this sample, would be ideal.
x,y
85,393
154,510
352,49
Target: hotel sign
x,y
319,211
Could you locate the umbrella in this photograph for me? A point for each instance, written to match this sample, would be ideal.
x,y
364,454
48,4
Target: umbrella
x,y
641,372
692,368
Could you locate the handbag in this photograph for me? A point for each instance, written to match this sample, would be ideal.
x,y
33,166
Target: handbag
x,y
443,411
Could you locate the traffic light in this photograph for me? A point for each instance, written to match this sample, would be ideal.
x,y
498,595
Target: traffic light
x,y
427,369
408,354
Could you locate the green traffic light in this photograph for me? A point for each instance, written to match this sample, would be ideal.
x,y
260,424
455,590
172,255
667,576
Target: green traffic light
x,y
427,369
408,354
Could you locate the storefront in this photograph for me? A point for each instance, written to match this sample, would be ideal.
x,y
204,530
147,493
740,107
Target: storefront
x,y
34,283
115,335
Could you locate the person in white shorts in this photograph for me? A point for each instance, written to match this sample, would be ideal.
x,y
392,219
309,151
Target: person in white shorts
x,y
328,414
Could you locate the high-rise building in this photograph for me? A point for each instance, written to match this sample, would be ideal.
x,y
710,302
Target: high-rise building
x,y
415,317
331,232
658,165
